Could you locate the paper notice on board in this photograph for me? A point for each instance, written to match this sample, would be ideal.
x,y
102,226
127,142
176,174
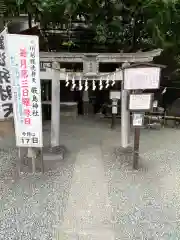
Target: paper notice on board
x,y
138,119
140,102
141,78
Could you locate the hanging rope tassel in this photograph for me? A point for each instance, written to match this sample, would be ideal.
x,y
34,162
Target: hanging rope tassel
x,y
113,81
86,85
93,85
67,80
80,84
107,82
73,83
100,84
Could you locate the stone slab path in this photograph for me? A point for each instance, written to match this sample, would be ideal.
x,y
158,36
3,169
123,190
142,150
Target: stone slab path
x,y
88,214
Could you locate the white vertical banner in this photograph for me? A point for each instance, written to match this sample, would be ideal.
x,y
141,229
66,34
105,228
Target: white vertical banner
x,y
6,110
23,52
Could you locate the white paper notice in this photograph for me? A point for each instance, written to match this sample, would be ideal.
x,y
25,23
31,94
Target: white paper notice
x,y
140,102
141,78
137,119
24,61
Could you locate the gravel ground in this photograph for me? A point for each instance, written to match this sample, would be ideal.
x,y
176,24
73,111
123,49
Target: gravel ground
x,y
144,203
32,206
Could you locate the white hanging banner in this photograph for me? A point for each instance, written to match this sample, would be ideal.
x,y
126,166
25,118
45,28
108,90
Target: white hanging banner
x,y
6,110
23,51
141,78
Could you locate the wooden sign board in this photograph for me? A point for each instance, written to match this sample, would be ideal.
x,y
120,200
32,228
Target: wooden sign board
x,y
138,119
141,78
115,95
140,102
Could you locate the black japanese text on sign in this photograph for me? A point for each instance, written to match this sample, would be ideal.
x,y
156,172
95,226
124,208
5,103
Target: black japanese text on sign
x,y
5,83
34,90
29,138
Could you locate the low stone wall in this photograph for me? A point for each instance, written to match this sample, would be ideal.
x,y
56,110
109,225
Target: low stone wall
x,y
69,111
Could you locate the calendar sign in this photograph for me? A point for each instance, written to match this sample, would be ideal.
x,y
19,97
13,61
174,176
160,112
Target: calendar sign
x,y
23,53
138,119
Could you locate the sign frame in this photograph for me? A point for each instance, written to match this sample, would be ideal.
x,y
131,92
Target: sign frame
x,y
142,116
136,72
142,109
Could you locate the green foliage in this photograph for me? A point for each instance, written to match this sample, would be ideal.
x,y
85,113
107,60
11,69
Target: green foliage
x,y
130,25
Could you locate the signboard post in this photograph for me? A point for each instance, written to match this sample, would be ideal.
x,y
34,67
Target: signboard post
x,y
23,51
136,147
138,122
138,104
138,77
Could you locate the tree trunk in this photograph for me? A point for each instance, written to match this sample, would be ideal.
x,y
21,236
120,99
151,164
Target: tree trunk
x,y
29,20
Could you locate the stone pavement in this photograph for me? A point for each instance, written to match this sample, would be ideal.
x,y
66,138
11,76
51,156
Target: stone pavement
x,y
89,211
94,194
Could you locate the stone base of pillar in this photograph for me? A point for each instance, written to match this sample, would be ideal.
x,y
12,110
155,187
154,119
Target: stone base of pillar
x,y
53,153
51,157
124,155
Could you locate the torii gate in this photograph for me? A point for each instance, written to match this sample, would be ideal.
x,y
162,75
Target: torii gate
x,y
57,74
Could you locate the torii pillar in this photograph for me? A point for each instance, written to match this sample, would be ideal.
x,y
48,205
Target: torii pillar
x,y
125,114
55,106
